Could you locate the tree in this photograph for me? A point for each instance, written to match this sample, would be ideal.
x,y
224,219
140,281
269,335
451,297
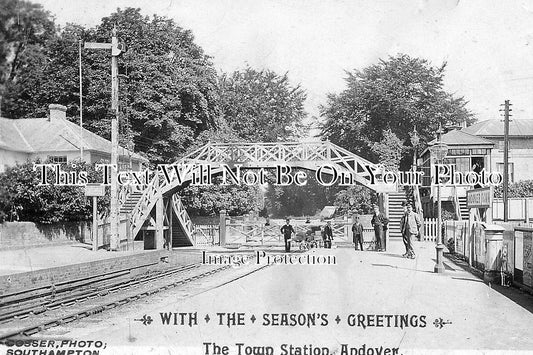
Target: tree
x,y
293,200
24,29
256,106
389,150
397,94
355,199
262,106
168,86
209,200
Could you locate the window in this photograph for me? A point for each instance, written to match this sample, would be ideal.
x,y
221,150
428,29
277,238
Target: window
x,y
57,159
499,167
455,152
461,164
480,151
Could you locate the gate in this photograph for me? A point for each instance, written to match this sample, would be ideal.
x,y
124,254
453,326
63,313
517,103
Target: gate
x,y
253,233
206,235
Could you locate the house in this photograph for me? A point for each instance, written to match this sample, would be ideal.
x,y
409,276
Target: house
x,y
520,146
56,139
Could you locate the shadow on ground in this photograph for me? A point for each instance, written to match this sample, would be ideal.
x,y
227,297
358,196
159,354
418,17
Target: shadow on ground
x,y
521,298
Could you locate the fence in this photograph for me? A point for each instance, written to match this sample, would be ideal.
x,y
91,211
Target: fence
x,y
255,232
104,233
206,235
469,244
241,233
450,228
455,236
430,229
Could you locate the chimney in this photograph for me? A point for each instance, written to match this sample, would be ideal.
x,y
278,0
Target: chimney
x,y
57,112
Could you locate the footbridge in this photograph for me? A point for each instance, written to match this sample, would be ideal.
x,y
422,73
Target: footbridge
x,y
158,207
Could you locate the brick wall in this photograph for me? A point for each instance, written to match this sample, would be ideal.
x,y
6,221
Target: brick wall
x,y
27,234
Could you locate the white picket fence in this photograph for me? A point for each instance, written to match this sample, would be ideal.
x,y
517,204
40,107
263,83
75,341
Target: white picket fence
x,y
430,229
450,229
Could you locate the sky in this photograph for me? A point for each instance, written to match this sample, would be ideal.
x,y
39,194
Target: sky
x,y
487,44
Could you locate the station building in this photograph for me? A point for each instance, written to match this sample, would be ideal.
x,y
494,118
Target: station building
x,y
473,148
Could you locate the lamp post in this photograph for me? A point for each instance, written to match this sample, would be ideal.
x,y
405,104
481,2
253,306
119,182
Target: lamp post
x,y
439,151
415,139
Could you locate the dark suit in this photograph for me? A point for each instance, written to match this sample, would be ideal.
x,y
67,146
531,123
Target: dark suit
x,y
379,222
357,234
287,230
327,235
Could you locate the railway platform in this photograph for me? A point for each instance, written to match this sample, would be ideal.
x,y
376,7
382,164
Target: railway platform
x,y
52,266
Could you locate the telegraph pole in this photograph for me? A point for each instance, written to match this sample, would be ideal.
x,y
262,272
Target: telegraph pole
x,y
115,239
506,121
116,49
81,102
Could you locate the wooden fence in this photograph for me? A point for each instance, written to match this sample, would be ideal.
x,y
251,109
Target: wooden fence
x,y
206,235
430,229
241,232
451,229
248,232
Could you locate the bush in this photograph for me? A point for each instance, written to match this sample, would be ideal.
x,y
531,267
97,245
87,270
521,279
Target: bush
x,y
22,198
518,189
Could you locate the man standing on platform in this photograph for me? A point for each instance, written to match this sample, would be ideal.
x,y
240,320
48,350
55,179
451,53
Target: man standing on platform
x,y
402,221
327,235
357,233
287,230
379,222
410,226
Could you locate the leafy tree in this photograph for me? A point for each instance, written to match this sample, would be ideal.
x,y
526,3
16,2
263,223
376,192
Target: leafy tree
x,y
355,199
262,106
389,150
397,94
168,86
23,197
209,200
296,200
256,106
24,29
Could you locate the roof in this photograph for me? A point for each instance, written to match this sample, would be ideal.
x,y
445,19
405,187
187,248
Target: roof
x,y
32,135
461,137
328,211
494,128
11,138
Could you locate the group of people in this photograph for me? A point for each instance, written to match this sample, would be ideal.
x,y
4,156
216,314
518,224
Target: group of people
x,y
409,225
287,230
379,223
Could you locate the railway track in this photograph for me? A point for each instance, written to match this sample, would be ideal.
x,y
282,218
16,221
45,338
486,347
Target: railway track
x,y
26,313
